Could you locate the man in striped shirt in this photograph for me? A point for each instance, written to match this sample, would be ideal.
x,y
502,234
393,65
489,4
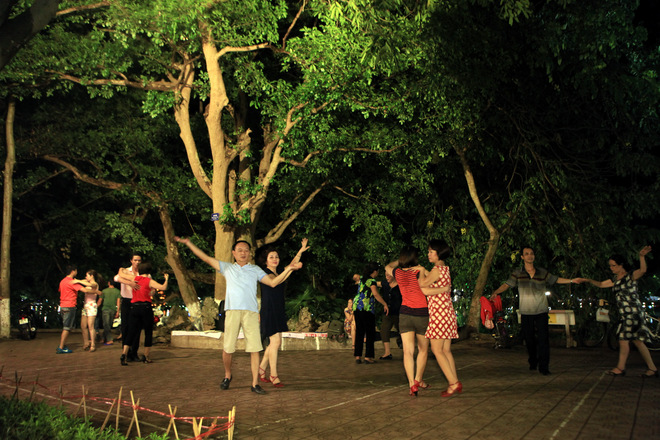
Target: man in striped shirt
x,y
532,283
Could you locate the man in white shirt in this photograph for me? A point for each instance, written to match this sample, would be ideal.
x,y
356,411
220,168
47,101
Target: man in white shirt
x,y
125,308
241,306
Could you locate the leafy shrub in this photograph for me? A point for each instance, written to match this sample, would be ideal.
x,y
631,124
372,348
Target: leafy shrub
x,y
25,420
322,307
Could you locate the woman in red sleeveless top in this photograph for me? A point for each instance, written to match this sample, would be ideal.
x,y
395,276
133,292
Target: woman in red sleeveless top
x,y
413,316
142,315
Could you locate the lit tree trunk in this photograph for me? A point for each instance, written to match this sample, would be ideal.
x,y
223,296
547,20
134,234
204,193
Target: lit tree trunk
x,y
7,207
173,258
474,314
219,187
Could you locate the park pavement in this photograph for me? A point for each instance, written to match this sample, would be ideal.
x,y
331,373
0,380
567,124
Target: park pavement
x,y
328,396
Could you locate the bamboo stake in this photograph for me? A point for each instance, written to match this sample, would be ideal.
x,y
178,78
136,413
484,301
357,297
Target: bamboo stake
x,y
196,427
135,417
232,423
82,402
137,422
172,423
107,417
118,408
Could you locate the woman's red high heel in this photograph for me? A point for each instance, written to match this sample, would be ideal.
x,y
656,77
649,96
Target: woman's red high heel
x,y
414,389
450,392
276,384
423,385
262,375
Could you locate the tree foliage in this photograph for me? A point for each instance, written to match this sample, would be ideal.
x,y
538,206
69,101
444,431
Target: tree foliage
x,y
362,125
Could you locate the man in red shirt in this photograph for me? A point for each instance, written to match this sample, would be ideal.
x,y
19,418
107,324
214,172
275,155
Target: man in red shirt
x,y
68,299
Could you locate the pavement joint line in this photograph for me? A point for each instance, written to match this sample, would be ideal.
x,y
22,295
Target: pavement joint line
x,y
463,367
576,407
336,405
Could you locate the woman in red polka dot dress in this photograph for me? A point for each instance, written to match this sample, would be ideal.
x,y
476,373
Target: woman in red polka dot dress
x,y
442,317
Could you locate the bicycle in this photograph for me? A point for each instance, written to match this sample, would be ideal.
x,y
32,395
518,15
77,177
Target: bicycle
x,y
603,328
653,324
599,327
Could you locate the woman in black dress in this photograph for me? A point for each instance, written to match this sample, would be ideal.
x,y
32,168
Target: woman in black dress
x,y
273,316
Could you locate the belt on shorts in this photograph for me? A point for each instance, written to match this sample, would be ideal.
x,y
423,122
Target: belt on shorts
x,y
141,304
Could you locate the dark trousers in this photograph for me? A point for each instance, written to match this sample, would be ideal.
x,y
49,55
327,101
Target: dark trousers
x,y
142,318
537,338
365,324
386,326
125,322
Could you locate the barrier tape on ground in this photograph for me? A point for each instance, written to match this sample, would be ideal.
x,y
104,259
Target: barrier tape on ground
x,y
196,422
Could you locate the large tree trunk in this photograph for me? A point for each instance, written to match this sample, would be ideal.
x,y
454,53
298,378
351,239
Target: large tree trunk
x,y
224,240
16,32
7,206
173,258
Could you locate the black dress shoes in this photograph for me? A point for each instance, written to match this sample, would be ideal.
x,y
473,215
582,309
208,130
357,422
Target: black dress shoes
x,y
257,389
224,385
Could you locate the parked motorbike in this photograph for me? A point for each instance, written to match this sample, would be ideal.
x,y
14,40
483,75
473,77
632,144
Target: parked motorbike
x,y
26,322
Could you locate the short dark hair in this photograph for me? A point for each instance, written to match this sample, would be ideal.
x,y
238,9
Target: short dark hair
x,y
144,268
408,257
233,248
522,249
70,268
441,248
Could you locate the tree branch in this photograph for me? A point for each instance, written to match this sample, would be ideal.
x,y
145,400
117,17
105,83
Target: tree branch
x,y
161,86
83,8
82,176
311,154
293,23
275,233
40,182
251,48
346,193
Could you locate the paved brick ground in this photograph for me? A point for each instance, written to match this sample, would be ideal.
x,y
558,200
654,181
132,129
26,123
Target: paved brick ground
x,y
328,396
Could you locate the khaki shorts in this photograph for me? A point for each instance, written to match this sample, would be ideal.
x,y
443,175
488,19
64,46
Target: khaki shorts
x,y
234,320
410,323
